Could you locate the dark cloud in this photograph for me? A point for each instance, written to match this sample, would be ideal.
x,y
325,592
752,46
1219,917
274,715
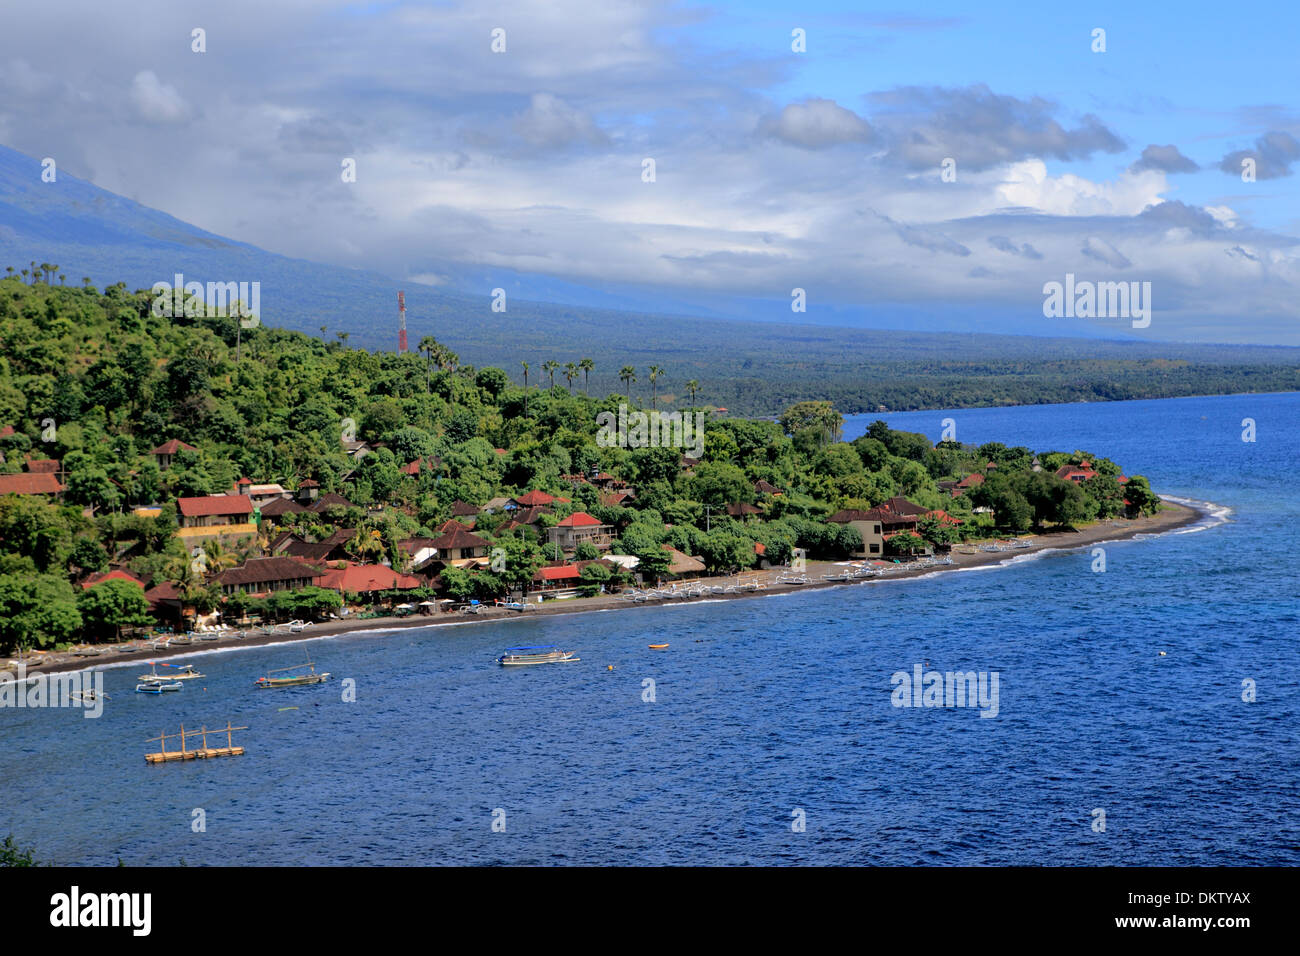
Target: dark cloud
x,y
1177,214
1166,159
1024,250
981,129
1273,155
1103,251
816,124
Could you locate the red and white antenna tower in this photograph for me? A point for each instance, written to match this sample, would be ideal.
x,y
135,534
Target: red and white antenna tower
x,y
401,327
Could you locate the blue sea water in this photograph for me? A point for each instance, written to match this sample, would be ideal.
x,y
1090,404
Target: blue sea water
x,y
767,711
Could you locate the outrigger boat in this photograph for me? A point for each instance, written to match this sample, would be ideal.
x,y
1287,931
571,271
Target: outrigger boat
x,y
183,672
542,654
296,680
157,688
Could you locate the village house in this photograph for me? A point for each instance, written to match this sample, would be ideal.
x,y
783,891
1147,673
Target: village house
x,y
1076,473
967,483
215,516
578,528
114,575
260,494
460,548
258,576
868,525
165,453
364,579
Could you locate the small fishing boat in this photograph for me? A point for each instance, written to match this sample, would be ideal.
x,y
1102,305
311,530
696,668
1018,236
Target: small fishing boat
x,y
293,680
157,688
542,654
183,672
657,647
88,696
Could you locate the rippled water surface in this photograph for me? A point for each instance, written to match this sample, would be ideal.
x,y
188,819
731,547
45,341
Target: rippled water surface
x,y
765,706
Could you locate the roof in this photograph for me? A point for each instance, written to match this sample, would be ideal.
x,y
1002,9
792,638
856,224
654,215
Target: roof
x,y
41,465
899,505
414,467
943,517
215,505
451,524
166,591
971,481
366,577
562,573
579,519
331,500
459,538
308,483
39,483
172,447
682,563
763,487
533,498
282,506
459,508
738,508
266,570
854,514
115,575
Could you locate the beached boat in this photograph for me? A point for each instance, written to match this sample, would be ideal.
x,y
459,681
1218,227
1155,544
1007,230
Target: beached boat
x,y
293,680
182,672
542,654
158,688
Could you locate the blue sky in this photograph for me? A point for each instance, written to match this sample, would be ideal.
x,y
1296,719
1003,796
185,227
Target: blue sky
x,y
775,170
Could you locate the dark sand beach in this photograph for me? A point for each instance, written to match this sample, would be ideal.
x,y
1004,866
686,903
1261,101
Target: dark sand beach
x,y
1173,516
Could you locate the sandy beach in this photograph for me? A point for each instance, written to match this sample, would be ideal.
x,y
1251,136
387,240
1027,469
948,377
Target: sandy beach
x,y
1173,516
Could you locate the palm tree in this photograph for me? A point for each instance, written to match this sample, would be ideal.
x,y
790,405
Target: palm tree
x,y
427,345
655,372
586,365
343,337
570,373
525,365
61,278
692,386
627,374
550,365
85,280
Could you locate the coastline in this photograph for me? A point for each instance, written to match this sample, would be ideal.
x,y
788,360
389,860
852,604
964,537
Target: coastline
x,y
1173,517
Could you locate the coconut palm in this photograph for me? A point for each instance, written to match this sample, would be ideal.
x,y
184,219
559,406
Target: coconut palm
x,y
627,374
586,365
570,373
655,372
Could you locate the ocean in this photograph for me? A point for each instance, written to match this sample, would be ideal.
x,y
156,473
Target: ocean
x,y
767,732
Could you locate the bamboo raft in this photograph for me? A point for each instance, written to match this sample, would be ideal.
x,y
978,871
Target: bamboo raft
x,y
195,753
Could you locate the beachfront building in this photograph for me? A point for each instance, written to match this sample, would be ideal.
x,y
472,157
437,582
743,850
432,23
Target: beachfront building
x,y
460,547
215,516
868,525
258,576
1076,473
578,528
347,577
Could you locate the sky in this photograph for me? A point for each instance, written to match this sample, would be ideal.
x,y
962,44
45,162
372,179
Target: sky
x,y
775,169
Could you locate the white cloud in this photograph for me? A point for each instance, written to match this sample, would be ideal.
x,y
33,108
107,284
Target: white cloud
x,y
155,101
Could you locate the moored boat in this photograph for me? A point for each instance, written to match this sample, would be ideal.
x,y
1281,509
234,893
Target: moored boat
x,y
157,688
183,672
541,654
293,680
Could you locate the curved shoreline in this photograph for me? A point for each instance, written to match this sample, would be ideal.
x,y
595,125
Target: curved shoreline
x,y
1180,514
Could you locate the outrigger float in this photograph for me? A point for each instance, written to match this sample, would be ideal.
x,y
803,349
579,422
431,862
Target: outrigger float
x,y
195,753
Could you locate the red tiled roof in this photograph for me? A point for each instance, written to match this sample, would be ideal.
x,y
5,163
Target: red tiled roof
x,y
6,431
172,447
970,481
365,577
579,519
38,483
215,505
534,498
114,575
944,517
562,573
42,466
460,508
308,483
451,524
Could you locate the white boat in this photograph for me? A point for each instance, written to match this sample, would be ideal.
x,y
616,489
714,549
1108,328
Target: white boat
x,y
542,654
157,688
